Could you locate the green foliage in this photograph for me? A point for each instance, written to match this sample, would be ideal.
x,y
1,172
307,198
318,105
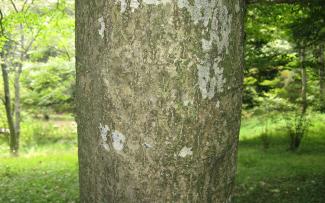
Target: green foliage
x,y
49,85
37,133
273,35
43,32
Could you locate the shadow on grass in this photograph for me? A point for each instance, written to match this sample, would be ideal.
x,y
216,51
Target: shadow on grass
x,y
278,175
302,189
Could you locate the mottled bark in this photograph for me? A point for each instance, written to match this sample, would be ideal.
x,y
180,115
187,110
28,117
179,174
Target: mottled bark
x,y
322,78
7,103
303,81
158,99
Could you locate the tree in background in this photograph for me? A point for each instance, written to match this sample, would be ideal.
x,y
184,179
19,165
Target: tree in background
x,y
26,25
158,99
280,41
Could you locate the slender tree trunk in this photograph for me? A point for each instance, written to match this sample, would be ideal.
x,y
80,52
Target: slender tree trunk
x,y
158,99
322,79
17,107
17,104
10,120
303,81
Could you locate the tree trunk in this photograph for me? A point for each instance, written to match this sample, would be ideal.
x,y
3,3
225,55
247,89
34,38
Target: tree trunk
x,y
303,81
7,102
322,79
18,71
158,99
17,104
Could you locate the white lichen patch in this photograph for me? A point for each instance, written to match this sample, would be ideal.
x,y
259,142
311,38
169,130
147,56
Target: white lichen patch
x,y
134,4
206,45
185,151
209,82
156,2
101,30
187,101
221,28
211,74
218,104
103,131
123,5
220,80
118,140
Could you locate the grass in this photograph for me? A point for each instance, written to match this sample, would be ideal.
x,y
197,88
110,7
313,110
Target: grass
x,y
40,177
276,174
47,170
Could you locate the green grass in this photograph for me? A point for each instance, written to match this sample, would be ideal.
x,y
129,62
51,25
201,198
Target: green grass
x,y
40,177
47,170
276,174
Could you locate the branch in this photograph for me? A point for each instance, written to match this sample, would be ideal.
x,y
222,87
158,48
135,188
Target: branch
x,y
14,5
36,35
1,25
27,5
23,7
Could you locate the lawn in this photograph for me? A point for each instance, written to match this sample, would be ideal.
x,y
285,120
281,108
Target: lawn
x,y
48,171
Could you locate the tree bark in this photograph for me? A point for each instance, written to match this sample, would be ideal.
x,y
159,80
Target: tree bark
x,y
17,104
158,99
322,78
303,81
7,102
18,71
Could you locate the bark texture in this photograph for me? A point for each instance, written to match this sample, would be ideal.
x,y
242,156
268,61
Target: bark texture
x,y
158,99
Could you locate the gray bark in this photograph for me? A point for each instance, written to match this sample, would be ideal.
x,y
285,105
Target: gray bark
x,y
158,99
18,71
17,108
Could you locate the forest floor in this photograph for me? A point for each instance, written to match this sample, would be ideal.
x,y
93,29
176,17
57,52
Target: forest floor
x,y
47,171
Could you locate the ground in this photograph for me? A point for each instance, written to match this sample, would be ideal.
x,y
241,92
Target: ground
x,y
47,168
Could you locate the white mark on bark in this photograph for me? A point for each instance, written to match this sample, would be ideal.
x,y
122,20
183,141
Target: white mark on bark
x,y
103,135
210,73
208,85
187,102
118,140
146,145
134,4
185,151
206,45
101,30
156,2
221,22
218,104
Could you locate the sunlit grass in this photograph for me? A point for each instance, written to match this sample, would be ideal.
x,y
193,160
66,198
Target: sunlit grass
x,y
47,171
40,176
